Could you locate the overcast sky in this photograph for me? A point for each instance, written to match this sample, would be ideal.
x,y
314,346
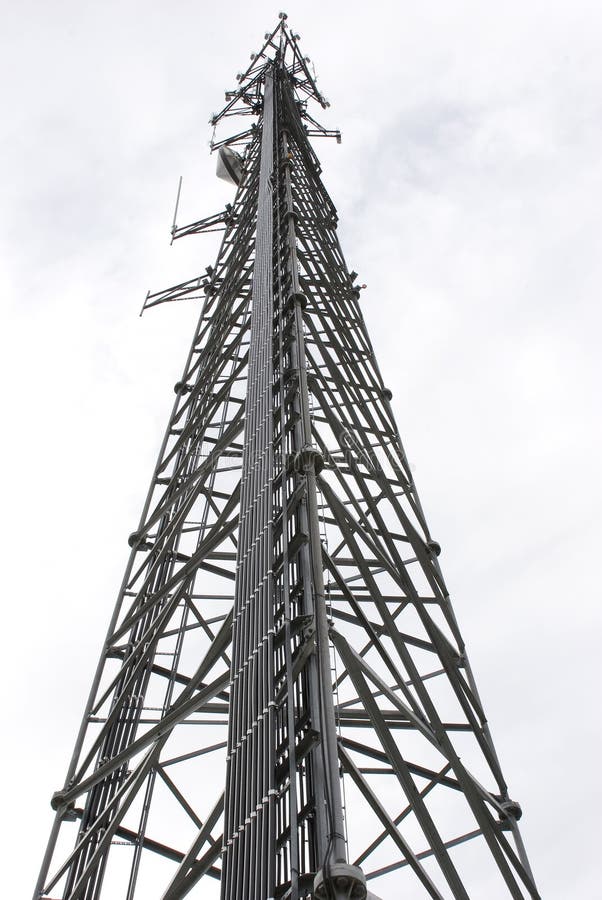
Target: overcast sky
x,y
469,190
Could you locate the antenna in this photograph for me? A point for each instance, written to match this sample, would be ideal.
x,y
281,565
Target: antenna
x,y
175,212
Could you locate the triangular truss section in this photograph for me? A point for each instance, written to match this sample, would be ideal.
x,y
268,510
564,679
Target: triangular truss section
x,y
284,707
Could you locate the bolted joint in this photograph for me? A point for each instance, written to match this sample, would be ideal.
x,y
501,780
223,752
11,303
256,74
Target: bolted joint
x,y
341,882
137,541
66,810
308,459
296,298
57,800
511,810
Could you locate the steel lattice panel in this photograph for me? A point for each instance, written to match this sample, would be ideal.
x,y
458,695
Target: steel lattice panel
x,y
284,689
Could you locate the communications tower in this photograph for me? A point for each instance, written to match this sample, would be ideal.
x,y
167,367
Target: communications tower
x,y
283,707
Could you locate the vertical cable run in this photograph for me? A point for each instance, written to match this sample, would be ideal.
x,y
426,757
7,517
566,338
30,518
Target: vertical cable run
x,y
248,852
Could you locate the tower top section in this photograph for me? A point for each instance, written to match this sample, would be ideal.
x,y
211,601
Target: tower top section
x,y
281,48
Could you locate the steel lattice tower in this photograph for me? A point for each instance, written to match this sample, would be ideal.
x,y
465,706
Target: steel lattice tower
x,y
283,707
